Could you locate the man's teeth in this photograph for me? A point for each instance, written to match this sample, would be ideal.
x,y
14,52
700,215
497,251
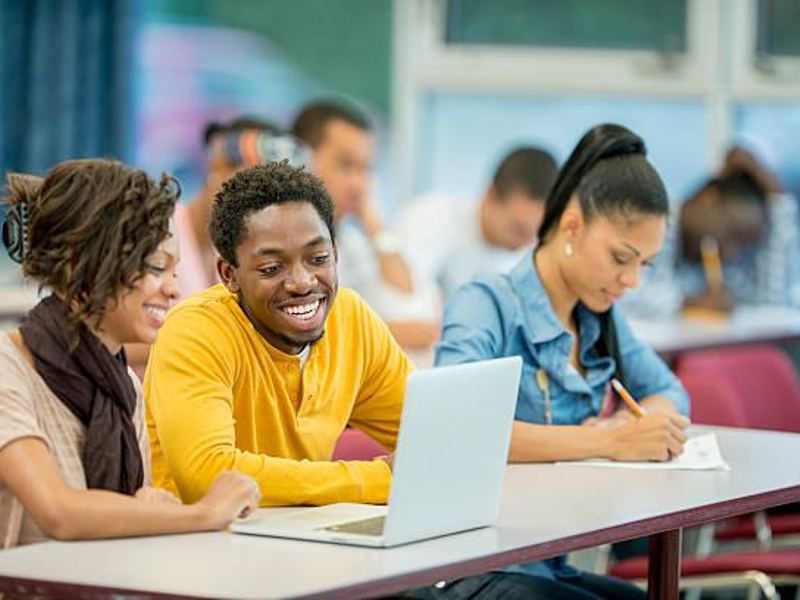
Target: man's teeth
x,y
304,311
158,313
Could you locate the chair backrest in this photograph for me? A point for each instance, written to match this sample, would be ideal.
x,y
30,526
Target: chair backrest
x,y
762,376
355,445
714,400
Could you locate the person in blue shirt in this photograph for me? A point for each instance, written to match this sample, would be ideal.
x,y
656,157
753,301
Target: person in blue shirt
x,y
604,222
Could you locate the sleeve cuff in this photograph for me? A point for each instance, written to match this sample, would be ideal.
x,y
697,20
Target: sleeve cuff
x,y
376,481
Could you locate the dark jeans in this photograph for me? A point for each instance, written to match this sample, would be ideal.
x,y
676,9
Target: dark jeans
x,y
512,586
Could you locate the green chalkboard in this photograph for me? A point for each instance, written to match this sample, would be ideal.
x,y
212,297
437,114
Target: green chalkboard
x,y
344,45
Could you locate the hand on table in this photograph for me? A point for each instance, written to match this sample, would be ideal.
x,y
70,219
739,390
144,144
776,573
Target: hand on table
x,y
232,495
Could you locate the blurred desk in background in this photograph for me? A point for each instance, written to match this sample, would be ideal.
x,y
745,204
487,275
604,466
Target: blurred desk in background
x,y
751,324
15,301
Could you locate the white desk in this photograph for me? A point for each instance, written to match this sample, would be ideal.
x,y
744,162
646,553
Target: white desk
x,y
547,510
747,324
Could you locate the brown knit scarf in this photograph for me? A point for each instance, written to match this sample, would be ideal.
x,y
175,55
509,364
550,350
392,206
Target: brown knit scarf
x,y
95,386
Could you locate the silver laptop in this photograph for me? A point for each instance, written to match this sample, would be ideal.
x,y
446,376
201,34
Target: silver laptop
x,y
448,469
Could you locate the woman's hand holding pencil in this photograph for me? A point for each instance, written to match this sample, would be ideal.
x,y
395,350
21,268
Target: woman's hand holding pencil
x,y
656,436
652,436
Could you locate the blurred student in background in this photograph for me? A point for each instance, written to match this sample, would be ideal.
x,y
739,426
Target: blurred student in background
x,y
371,260
735,242
231,146
754,226
450,241
74,451
605,219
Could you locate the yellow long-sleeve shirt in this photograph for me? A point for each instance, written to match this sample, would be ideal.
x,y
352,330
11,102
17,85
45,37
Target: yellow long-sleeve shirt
x,y
219,396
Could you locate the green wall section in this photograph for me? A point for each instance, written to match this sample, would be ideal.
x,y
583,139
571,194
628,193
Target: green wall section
x,y
344,45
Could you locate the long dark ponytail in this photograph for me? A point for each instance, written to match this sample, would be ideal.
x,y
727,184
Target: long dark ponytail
x,y
609,171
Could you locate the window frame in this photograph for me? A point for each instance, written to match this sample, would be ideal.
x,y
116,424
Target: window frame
x,y
754,79
445,66
425,63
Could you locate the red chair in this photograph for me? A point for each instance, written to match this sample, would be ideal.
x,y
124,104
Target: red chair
x,y
784,529
766,389
759,571
762,376
714,400
354,445
748,386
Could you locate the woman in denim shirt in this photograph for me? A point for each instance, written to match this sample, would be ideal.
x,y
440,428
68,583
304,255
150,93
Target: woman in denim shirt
x,y
604,222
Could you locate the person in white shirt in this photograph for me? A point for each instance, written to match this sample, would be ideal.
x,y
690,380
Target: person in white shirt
x,y
450,241
370,260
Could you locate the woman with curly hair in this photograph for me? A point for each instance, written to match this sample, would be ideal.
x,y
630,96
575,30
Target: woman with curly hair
x,y
74,453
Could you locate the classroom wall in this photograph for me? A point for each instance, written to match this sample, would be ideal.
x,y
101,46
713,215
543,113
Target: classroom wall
x,y
205,60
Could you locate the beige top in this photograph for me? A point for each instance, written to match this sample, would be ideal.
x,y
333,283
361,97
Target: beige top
x,y
28,408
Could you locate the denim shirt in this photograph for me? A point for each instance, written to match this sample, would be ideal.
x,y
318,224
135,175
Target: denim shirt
x,y
510,315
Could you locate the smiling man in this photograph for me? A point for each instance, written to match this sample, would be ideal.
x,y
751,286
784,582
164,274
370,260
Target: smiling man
x,y
262,373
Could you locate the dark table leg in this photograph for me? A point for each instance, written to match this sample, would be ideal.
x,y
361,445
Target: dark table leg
x,y
665,565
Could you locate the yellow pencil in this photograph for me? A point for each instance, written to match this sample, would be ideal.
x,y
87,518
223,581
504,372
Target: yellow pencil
x,y
712,263
627,398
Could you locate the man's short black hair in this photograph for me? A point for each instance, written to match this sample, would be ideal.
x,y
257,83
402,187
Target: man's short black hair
x,y
529,169
255,188
309,126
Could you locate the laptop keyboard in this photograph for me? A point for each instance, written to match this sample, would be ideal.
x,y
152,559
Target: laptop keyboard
x,y
372,526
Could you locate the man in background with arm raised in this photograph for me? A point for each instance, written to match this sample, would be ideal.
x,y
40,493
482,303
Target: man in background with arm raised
x,y
371,259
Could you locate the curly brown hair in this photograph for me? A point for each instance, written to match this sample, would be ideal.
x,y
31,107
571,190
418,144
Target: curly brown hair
x,y
91,224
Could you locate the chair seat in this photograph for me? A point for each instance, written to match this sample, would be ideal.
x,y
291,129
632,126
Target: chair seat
x,y
744,528
354,445
775,562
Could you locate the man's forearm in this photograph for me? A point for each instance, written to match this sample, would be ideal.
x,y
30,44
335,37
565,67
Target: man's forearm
x,y
393,268
287,482
415,335
395,272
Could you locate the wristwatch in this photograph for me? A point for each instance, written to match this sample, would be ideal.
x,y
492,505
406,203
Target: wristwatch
x,y
385,242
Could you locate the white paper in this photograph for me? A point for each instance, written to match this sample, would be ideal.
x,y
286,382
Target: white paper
x,y
700,453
